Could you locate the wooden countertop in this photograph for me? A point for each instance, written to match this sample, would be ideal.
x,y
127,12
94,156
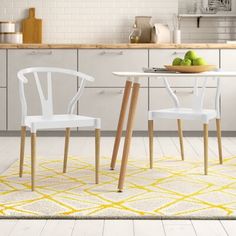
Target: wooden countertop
x,y
120,46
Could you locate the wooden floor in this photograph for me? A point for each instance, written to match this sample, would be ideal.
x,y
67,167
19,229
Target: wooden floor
x,y
51,146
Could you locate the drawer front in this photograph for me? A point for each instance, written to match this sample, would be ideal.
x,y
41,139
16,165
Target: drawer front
x,y
3,109
64,87
228,88
105,103
159,99
101,63
161,57
3,68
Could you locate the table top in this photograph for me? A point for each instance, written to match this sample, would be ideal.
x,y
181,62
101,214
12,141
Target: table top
x,y
218,73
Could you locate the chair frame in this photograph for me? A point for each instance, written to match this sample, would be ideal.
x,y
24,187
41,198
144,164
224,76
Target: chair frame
x,y
197,106
47,113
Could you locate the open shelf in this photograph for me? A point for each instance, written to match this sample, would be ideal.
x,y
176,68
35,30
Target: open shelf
x,y
201,15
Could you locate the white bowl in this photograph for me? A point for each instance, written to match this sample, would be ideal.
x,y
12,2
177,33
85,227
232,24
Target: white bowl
x,y
7,27
14,38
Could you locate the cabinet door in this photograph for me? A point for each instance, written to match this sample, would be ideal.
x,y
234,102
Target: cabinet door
x,y
64,87
101,63
159,99
161,57
3,109
228,98
2,68
105,103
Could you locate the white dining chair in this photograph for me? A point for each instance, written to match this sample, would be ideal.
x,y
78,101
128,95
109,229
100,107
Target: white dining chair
x,y
49,120
196,112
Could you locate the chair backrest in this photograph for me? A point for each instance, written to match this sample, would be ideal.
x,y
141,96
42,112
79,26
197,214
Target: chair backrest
x,y
198,95
47,102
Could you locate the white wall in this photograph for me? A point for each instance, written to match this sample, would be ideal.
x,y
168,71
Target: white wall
x,y
88,21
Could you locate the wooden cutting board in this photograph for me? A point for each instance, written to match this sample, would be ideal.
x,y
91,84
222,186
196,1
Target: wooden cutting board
x,y
32,28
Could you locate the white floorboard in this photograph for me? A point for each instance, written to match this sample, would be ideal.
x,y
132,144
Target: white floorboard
x,y
28,228
209,228
6,226
229,226
118,228
88,228
58,228
148,228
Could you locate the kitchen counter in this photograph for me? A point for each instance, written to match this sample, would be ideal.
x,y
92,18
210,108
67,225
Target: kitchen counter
x,y
121,46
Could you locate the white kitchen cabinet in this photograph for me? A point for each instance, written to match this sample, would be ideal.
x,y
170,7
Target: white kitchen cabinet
x,y
228,98
161,57
100,63
64,87
105,103
159,99
3,78
2,109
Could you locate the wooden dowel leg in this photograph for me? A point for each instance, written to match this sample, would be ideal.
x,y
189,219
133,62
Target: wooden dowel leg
x,y
66,148
129,131
33,159
180,132
22,150
150,132
97,154
205,128
121,122
218,128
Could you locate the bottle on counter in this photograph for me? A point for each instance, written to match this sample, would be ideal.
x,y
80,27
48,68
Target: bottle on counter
x,y
134,37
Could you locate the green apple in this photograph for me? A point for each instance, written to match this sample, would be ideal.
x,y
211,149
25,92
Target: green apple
x,y
191,55
186,62
199,62
177,61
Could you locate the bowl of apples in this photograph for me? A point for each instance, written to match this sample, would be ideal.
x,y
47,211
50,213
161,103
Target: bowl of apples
x,y
191,63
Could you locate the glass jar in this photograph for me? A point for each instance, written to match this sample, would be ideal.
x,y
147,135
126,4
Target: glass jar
x,y
134,37
144,23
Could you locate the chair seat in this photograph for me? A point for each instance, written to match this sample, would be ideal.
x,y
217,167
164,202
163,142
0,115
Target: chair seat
x,y
60,121
184,114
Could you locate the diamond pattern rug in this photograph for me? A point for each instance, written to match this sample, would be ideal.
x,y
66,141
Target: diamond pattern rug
x,y
172,189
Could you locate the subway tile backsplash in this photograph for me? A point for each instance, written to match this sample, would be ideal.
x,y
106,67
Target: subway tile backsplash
x,y
110,21
88,21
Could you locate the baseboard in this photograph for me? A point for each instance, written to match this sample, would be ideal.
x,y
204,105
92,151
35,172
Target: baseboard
x,y
83,133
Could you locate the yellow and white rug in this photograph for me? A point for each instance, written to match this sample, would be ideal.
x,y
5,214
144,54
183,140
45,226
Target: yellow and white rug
x,y
172,188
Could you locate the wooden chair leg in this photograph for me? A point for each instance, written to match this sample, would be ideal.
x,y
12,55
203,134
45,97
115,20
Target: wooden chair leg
x,y
33,159
205,128
67,139
218,128
22,150
150,132
180,132
97,154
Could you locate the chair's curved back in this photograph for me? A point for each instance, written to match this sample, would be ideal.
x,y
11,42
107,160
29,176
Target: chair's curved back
x,y
198,95
47,103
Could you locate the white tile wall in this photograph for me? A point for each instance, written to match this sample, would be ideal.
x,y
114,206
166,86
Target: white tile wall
x,y
88,21
210,30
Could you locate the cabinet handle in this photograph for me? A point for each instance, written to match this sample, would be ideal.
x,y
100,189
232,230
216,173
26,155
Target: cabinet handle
x,y
178,53
183,92
36,52
121,91
112,53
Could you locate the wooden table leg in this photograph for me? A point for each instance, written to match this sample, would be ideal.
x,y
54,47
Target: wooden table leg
x,y
121,123
129,131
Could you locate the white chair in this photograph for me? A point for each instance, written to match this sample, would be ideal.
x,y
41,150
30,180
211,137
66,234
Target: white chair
x,y
49,120
196,112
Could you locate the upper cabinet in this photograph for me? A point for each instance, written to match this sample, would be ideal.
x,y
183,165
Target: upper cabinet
x,y
101,63
64,87
3,80
161,57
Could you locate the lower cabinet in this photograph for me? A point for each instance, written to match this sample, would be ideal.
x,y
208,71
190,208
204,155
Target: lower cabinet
x,y
106,102
3,108
159,99
64,87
